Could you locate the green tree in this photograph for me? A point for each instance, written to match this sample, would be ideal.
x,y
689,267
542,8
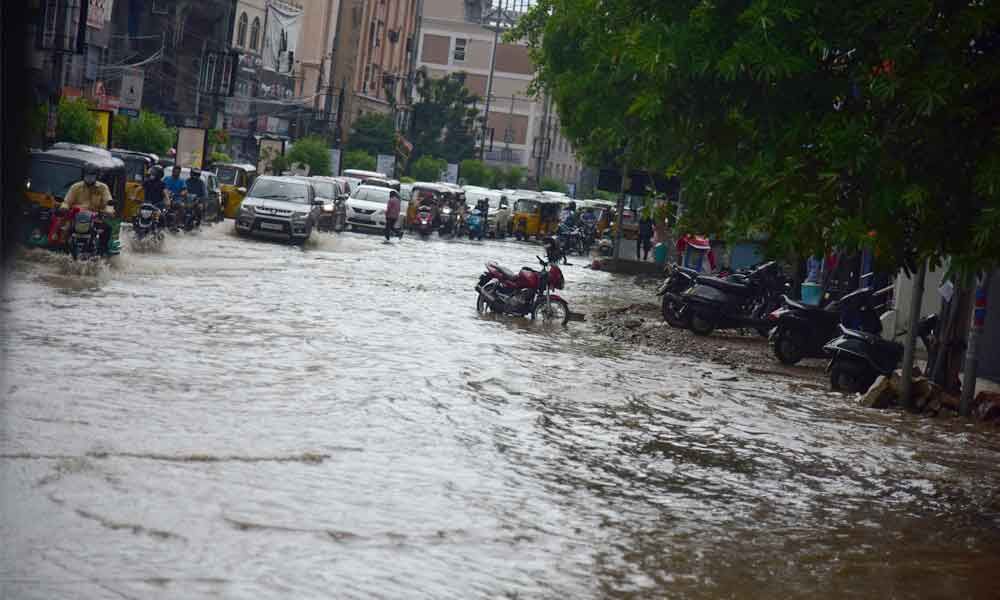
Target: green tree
x,y
428,168
444,120
148,133
75,123
312,151
475,172
866,124
374,133
551,184
359,159
512,177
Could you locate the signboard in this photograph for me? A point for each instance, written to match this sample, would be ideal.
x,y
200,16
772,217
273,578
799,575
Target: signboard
x,y
451,174
386,163
103,135
268,150
335,161
99,12
191,146
131,92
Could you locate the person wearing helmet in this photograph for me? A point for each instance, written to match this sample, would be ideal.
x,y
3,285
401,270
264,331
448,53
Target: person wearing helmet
x,y
90,193
154,191
196,189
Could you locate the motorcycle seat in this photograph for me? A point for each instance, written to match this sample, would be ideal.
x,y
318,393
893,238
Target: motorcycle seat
x,y
504,271
725,286
806,307
688,271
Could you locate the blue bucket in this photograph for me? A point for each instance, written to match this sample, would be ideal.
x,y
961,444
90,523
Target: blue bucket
x,y
660,253
812,293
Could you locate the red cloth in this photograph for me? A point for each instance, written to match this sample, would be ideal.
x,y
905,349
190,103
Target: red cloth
x,y
392,208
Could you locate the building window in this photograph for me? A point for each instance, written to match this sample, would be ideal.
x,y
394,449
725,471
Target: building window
x,y
241,31
459,53
255,33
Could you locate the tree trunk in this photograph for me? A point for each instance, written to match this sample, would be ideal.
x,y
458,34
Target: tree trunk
x,y
916,300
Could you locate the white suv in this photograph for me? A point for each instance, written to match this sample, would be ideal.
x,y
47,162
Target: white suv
x,y
366,208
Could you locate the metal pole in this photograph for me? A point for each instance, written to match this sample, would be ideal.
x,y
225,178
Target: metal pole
x,y
916,301
201,74
971,356
621,211
489,87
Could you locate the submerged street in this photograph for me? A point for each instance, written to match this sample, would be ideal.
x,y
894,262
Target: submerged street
x,y
240,419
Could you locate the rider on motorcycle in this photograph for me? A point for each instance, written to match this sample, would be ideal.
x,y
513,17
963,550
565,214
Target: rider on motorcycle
x,y
567,220
175,189
196,189
154,190
92,195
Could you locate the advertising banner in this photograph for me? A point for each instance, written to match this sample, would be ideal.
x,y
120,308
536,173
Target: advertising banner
x,y
103,127
191,146
451,173
386,163
283,24
267,151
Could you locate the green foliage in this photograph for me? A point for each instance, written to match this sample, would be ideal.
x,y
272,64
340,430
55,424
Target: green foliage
x,y
359,159
312,151
220,157
444,120
551,184
512,177
374,133
814,124
407,180
428,168
148,133
475,172
75,123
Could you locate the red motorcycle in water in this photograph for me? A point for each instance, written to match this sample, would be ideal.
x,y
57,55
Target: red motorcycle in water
x,y
424,222
528,292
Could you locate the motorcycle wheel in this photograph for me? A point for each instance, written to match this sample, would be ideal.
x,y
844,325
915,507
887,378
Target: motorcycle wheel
x,y
482,306
670,315
851,377
702,325
551,312
789,347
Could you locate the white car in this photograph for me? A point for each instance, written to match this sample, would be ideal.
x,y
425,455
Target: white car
x,y
366,208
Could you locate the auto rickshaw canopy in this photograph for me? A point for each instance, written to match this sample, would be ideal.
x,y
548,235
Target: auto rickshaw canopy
x,y
52,172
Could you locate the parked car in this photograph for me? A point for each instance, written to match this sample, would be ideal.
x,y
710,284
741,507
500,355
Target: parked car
x,y
280,208
213,204
366,208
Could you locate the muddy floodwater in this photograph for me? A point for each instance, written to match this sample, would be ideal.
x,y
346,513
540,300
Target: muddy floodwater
x,y
231,418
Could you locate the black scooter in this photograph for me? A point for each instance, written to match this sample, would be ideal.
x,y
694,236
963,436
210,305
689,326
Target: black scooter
x,y
801,330
858,358
678,280
737,302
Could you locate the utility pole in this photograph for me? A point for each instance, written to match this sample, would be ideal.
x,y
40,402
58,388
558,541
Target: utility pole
x,y
494,22
201,75
909,350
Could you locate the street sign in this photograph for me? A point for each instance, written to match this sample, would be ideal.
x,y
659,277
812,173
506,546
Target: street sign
x,y
128,112
131,92
451,174
386,163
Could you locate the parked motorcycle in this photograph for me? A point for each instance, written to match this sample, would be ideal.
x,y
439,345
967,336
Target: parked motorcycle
x,y
147,225
736,302
858,357
527,292
678,280
801,330
424,222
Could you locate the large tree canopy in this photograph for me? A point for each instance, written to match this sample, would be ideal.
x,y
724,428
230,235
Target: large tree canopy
x,y
821,124
444,118
374,133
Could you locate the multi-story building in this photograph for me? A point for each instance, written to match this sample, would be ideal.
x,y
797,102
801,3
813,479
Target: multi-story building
x,y
460,36
373,60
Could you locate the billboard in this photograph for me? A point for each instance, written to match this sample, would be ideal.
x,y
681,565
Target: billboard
x,y
450,174
267,151
131,92
191,146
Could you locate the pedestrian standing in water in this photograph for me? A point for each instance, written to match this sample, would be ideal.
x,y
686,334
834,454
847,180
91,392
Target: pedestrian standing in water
x,y
645,237
392,214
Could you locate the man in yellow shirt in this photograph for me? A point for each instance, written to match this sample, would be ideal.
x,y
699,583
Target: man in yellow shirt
x,y
90,193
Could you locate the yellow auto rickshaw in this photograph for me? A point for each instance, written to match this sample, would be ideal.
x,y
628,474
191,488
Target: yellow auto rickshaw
x,y
551,211
235,180
597,212
50,175
137,165
527,218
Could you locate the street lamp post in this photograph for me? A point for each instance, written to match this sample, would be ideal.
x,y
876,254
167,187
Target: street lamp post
x,y
495,22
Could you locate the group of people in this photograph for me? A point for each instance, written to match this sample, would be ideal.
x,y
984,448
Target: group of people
x,y
160,191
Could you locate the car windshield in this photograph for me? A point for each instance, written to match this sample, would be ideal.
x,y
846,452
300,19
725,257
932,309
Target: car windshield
x,y
228,175
288,191
53,178
371,194
324,189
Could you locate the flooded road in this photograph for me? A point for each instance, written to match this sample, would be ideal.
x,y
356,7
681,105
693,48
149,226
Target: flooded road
x,y
240,419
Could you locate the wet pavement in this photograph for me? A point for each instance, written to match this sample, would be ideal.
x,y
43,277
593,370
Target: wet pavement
x,y
241,419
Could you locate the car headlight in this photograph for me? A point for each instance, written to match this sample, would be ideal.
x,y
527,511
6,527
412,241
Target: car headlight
x,y
446,211
327,208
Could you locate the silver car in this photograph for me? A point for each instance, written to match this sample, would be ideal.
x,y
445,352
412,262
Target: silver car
x,y
284,208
